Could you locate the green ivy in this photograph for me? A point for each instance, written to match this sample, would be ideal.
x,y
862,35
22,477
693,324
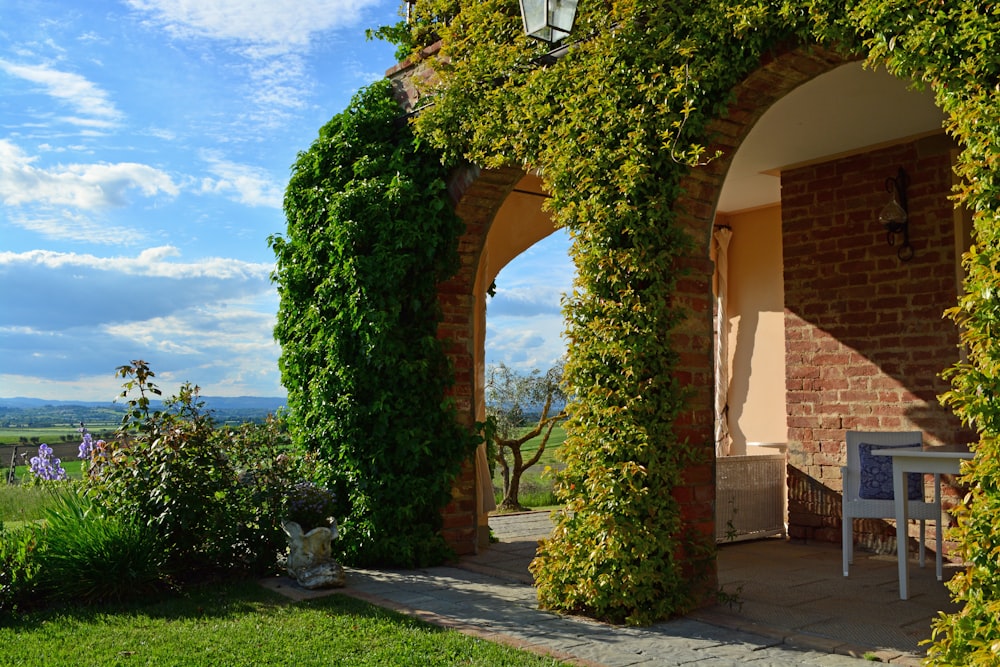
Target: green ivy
x,y
613,126
371,234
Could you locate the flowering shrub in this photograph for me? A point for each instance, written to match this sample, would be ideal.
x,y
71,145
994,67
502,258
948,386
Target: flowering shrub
x,y
93,452
45,467
163,469
310,505
169,500
215,496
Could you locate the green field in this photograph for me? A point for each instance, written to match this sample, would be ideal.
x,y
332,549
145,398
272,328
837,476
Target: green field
x,y
535,488
27,435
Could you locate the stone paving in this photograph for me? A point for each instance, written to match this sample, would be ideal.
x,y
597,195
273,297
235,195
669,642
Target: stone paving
x,y
507,613
791,607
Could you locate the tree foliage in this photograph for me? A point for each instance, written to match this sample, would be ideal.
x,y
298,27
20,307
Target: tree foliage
x,y
509,396
613,125
370,235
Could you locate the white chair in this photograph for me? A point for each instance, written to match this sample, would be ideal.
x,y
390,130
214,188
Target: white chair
x,y
866,475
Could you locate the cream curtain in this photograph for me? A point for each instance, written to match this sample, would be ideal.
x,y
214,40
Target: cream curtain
x,y
719,254
484,485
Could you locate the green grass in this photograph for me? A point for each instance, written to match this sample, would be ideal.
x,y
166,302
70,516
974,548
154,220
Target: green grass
x,y
23,503
244,624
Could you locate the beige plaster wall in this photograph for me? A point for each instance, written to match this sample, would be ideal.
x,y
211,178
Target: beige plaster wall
x,y
520,222
756,328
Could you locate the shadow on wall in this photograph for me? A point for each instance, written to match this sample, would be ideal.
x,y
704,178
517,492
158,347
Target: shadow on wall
x,y
815,510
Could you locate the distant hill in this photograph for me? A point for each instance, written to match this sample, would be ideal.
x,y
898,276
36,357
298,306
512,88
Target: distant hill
x,y
38,412
218,401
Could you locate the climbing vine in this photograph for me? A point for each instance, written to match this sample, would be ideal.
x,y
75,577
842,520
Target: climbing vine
x,y
612,126
370,235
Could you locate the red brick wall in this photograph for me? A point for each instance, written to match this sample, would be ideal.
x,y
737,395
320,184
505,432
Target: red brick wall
x,y
864,334
476,195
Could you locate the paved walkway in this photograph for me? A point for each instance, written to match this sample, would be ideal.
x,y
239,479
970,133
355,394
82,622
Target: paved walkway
x,y
791,607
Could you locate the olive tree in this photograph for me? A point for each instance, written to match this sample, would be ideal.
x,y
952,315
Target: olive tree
x,y
509,397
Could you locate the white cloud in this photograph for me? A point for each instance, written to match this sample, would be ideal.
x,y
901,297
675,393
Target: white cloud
x,y
57,291
71,89
65,225
203,332
97,387
281,26
243,183
83,186
272,38
151,262
226,348
526,301
206,321
525,345
91,123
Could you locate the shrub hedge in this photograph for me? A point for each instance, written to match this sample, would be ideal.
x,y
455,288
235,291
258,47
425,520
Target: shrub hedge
x,y
370,235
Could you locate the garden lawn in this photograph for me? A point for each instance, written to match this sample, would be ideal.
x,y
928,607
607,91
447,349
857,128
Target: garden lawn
x,y
244,624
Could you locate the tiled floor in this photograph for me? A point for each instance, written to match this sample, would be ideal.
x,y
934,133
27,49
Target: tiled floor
x,y
779,588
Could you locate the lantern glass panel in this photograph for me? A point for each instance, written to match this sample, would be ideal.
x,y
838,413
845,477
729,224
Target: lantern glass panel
x,y
548,20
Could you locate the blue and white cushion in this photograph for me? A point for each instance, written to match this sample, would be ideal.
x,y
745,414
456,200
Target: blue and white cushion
x,y
876,474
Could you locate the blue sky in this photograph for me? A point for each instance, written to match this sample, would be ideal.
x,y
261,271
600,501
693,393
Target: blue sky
x,y
144,150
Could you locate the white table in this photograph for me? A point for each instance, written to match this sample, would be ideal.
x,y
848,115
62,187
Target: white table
x,y
937,460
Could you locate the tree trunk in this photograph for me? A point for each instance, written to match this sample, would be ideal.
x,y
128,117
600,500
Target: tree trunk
x,y
510,502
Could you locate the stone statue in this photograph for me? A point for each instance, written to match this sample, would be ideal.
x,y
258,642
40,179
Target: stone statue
x,y
310,560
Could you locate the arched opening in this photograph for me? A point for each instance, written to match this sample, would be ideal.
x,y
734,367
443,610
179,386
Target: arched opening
x,y
848,110
519,223
830,329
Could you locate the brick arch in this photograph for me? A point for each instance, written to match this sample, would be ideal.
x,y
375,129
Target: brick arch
x,y
477,196
777,75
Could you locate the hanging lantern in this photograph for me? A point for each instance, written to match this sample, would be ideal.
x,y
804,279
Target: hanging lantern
x,y
548,21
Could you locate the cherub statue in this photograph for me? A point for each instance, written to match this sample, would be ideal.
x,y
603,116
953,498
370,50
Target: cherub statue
x,y
310,556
